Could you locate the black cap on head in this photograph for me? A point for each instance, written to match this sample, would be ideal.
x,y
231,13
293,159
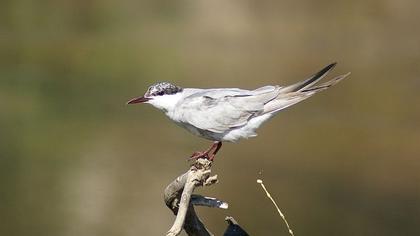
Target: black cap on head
x,y
162,88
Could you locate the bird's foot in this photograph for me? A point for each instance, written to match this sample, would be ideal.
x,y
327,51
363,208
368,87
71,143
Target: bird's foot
x,y
198,155
209,154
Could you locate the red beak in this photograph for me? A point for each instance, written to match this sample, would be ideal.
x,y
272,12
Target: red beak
x,y
138,100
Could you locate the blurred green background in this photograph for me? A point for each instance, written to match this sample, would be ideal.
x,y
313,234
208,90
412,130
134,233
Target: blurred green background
x,y
75,160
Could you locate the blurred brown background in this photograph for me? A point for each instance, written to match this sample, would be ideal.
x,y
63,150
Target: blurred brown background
x,y
75,160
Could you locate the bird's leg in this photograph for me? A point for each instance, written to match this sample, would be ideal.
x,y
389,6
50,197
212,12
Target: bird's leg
x,y
218,146
209,153
204,154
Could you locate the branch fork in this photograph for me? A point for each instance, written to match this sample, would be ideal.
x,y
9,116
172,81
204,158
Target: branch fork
x,y
179,198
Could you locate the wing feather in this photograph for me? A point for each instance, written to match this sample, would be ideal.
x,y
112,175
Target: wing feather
x,y
219,113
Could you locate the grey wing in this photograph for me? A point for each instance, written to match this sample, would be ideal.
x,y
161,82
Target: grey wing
x,y
221,110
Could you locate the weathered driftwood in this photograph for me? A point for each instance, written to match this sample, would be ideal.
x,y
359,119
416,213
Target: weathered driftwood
x,y
179,198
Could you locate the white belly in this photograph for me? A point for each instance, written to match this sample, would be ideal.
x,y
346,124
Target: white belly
x,y
232,135
246,131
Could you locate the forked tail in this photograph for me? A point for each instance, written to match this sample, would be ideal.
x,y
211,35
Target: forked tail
x,y
300,91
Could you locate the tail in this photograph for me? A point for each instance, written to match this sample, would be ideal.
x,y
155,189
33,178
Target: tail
x,y
310,81
300,91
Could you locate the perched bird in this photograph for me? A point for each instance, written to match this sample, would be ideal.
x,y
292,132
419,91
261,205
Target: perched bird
x,y
229,114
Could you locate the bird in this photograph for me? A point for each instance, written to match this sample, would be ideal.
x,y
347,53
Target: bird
x,y
229,114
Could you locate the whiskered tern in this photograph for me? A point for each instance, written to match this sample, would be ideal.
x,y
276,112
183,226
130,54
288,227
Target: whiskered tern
x,y
229,114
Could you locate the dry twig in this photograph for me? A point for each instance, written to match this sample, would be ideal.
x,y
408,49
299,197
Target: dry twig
x,y
275,204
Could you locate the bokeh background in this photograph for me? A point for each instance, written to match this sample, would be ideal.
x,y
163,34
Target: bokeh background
x,y
75,160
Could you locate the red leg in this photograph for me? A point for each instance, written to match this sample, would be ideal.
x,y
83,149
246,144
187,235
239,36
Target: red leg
x,y
209,153
218,146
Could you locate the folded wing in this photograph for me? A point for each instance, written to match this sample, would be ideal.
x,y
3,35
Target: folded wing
x,y
220,110
216,113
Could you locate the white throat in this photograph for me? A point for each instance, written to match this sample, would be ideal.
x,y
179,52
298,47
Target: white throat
x,y
166,103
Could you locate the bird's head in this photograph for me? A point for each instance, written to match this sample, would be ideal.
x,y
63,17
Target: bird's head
x,y
162,95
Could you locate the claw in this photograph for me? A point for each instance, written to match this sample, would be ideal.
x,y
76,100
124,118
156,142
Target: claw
x,y
208,154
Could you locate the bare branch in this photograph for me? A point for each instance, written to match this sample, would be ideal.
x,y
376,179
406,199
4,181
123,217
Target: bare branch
x,y
184,204
179,198
198,175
